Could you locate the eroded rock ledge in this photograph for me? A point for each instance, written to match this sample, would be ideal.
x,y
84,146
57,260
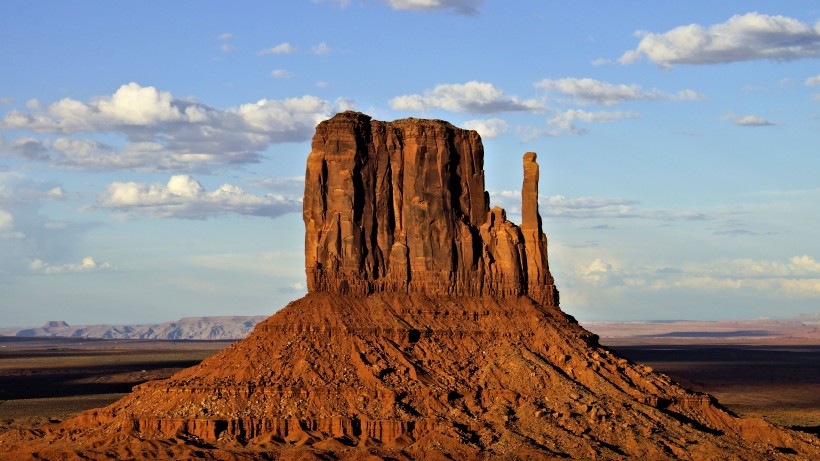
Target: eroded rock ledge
x,y
401,207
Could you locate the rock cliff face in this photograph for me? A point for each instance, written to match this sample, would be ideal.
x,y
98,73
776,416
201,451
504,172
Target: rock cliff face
x,y
401,207
431,331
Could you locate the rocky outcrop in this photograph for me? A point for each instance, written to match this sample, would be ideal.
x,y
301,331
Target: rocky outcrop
x,y
401,207
430,331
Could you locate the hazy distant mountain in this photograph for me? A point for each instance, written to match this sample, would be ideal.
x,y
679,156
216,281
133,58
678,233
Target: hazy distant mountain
x,y
196,328
805,327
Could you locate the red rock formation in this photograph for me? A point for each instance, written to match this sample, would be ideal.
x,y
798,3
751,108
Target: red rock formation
x,y
401,207
430,331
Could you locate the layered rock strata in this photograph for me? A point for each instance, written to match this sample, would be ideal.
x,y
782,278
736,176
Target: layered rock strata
x,y
431,331
401,207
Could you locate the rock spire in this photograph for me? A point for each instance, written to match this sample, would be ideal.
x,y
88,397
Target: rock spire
x,y
401,207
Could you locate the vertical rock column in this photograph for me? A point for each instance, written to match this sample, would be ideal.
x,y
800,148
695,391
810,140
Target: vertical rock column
x,y
540,284
401,206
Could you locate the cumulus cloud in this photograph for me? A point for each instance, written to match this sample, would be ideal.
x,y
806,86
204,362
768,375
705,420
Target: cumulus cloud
x,y
6,220
746,37
566,121
813,81
185,198
225,36
57,193
752,120
6,101
88,264
471,97
7,226
590,91
161,132
596,272
747,120
464,7
487,128
282,48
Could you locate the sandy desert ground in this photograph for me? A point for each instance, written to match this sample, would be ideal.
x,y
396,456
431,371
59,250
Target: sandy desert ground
x,y
43,379
50,379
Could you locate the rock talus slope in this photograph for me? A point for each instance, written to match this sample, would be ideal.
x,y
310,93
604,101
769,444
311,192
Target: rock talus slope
x,y
431,330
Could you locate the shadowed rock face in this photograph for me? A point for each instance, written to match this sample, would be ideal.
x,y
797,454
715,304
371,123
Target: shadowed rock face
x,y
401,207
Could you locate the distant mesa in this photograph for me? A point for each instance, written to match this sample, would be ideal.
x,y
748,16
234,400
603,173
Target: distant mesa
x,y
55,324
186,328
431,330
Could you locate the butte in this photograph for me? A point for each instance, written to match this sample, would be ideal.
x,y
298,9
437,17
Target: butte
x,y
431,330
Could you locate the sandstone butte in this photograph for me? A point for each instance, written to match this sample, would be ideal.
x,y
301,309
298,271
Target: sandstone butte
x,y
431,330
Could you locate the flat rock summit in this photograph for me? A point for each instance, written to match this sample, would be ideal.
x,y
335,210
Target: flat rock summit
x,y
431,330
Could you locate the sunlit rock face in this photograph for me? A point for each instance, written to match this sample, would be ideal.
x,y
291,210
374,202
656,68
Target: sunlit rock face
x,y
401,207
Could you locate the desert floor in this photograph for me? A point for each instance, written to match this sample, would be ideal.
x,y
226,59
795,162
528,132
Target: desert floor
x,y
50,379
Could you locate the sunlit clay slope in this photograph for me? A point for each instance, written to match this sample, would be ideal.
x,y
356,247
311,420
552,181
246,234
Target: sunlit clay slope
x,y
431,330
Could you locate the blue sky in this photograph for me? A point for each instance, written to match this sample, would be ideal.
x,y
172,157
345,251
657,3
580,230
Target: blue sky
x,y
152,153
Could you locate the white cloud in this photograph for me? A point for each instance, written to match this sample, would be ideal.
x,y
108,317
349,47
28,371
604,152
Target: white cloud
x,y
6,101
591,91
464,7
282,48
162,132
529,133
796,266
596,272
88,264
798,277
345,104
750,120
744,37
571,207
57,193
560,206
282,73
566,121
472,97
184,197
321,49
227,48
487,128
289,186
131,104
813,81
6,220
